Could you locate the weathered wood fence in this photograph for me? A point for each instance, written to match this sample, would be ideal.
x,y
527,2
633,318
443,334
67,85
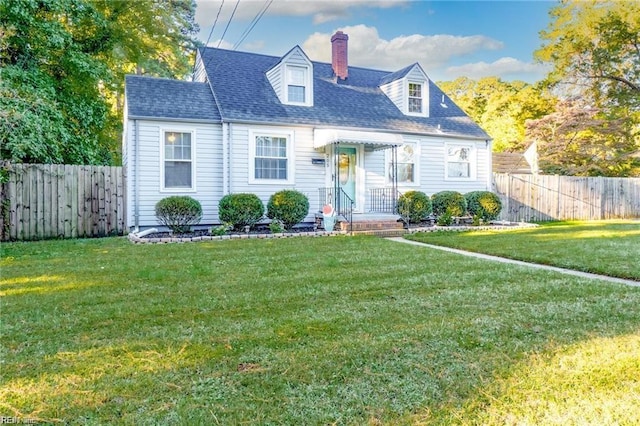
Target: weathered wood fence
x,y
40,201
541,198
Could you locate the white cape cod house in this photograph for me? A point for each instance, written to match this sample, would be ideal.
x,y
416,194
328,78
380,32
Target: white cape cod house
x,y
250,123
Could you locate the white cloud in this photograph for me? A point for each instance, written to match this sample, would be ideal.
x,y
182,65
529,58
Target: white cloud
x,y
501,67
223,44
367,49
321,10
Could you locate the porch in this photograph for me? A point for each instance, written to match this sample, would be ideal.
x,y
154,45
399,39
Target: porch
x,y
364,198
380,219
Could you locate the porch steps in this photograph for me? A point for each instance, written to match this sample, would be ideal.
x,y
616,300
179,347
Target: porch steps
x,y
381,227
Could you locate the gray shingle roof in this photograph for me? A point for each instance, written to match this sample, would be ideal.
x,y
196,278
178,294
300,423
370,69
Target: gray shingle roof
x,y
161,98
244,94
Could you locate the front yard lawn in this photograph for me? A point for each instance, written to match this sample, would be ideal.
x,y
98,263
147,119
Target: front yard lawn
x,y
340,330
602,247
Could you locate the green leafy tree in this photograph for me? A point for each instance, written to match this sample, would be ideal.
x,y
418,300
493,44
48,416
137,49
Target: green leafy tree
x,y
51,108
578,141
501,108
594,49
62,67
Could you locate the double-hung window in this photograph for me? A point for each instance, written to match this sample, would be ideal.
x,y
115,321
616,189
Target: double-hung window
x,y
415,98
407,164
177,159
271,156
296,85
460,161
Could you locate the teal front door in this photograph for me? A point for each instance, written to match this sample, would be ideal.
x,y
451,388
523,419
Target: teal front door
x,y
347,171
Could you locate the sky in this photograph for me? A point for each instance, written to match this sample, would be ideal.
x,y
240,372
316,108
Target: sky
x,y
449,39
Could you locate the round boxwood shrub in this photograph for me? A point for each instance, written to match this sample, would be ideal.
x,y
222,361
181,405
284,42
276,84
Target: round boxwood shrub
x,y
179,212
414,206
288,206
240,210
483,204
451,202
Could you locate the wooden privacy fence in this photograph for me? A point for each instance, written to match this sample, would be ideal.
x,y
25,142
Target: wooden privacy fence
x,y
538,198
42,201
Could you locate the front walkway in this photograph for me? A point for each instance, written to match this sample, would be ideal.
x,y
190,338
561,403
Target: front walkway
x,y
521,263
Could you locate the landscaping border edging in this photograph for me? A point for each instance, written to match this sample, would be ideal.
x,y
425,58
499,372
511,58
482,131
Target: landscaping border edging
x,y
139,240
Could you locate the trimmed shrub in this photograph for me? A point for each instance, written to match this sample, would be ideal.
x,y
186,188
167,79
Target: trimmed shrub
x,y
451,202
179,212
484,204
445,219
288,206
240,210
414,206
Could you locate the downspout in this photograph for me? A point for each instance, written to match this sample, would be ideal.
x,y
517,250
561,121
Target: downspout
x,y
225,159
136,176
489,147
230,145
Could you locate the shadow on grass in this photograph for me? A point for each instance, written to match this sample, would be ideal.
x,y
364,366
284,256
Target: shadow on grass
x,y
274,332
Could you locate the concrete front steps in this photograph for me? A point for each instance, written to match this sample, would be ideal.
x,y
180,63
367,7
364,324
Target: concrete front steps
x,y
381,226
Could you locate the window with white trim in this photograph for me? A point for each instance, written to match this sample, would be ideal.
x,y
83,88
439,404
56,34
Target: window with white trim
x,y
271,158
460,161
177,160
415,98
296,85
407,159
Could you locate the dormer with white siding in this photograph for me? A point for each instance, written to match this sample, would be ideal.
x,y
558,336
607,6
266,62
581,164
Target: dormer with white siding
x,y
292,78
408,89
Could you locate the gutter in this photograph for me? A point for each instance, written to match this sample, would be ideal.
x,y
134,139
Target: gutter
x,y
174,119
361,129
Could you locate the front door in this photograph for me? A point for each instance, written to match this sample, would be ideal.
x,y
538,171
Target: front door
x,y
347,171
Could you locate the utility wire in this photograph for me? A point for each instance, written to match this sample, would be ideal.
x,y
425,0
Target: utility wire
x,y
208,38
228,23
253,24
214,24
223,34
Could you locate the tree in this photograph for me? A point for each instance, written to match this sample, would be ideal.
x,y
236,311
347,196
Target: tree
x,y
500,107
576,140
51,109
62,67
594,49
594,46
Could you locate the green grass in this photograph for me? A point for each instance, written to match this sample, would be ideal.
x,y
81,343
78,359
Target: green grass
x,y
308,331
602,247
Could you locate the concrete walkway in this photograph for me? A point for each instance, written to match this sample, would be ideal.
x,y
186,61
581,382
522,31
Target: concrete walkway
x,y
521,263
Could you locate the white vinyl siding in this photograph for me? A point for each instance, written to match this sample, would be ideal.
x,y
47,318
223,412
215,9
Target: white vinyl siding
x,y
145,172
199,73
410,94
305,176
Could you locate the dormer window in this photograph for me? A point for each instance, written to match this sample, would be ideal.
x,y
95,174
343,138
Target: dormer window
x,y
292,78
296,82
415,98
408,89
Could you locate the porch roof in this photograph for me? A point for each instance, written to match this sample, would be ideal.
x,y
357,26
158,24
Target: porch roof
x,y
376,140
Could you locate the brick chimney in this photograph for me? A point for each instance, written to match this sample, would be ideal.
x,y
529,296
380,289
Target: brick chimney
x,y
339,49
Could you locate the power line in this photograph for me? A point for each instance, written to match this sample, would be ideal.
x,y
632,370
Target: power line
x,y
209,38
223,33
214,24
228,23
252,24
